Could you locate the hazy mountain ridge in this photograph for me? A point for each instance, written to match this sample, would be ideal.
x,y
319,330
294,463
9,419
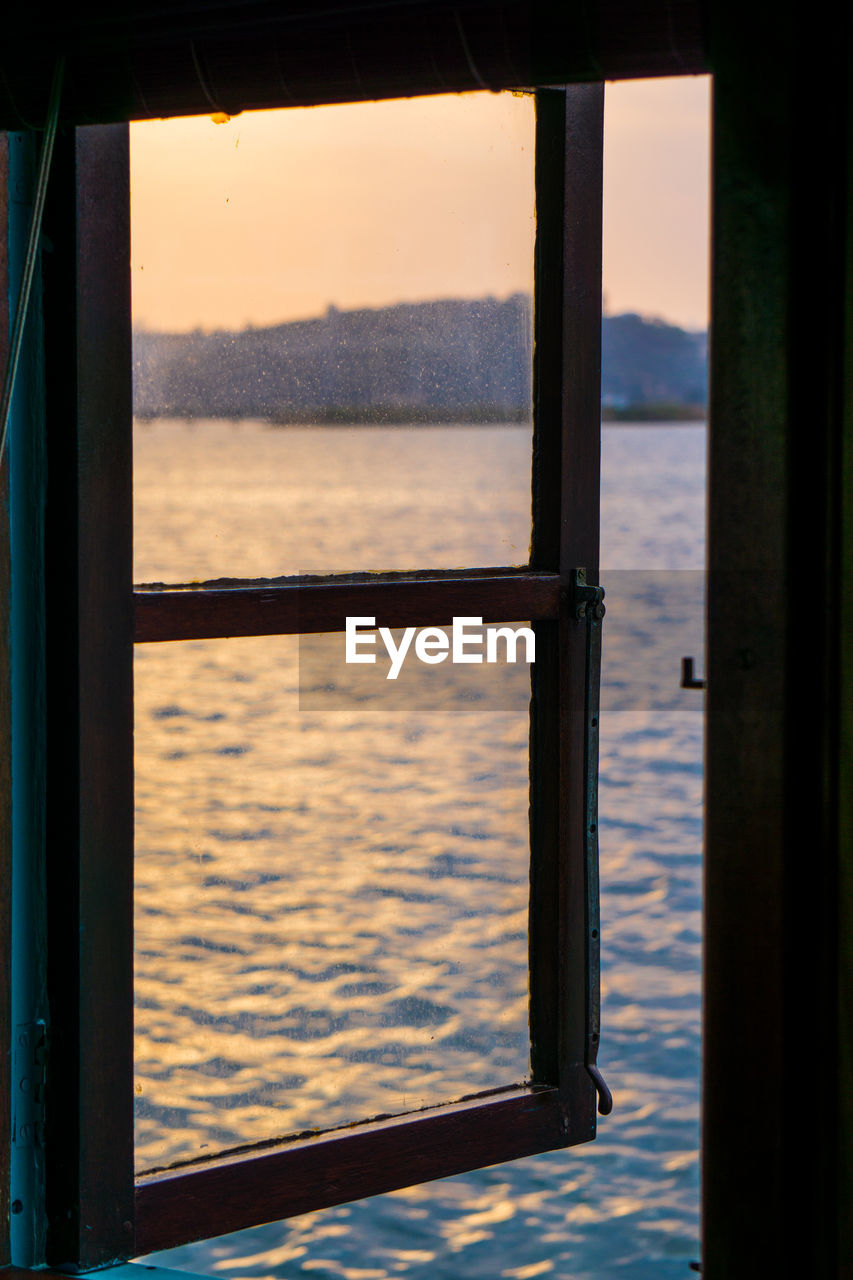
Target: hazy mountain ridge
x,y
449,360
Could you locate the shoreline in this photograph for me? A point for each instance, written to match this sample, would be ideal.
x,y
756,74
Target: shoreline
x,y
633,415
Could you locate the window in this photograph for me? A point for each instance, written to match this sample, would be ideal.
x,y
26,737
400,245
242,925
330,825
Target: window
x,y
776,508
96,1210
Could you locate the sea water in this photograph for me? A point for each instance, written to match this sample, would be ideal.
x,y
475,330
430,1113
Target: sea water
x,y
330,908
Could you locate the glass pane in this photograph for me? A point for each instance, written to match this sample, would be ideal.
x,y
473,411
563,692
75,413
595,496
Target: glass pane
x,y
331,906
334,300
241,500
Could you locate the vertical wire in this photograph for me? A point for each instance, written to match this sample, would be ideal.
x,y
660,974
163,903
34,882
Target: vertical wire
x,y
25,289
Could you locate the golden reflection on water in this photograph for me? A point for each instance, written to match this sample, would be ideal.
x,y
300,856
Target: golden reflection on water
x,y
246,499
640,1176
331,907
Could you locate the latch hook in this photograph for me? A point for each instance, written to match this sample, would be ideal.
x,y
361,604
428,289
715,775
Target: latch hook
x,y
589,607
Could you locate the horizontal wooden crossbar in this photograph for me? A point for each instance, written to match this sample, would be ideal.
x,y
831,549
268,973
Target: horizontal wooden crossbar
x,y
216,1196
290,608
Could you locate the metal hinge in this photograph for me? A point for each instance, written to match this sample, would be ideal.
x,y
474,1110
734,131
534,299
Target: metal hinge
x,y
30,1081
588,604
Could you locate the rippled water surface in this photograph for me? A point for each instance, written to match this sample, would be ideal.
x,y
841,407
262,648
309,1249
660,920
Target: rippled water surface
x,y
330,905
344,929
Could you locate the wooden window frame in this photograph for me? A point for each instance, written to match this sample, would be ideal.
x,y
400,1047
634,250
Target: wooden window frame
x,y
98,1211
779,772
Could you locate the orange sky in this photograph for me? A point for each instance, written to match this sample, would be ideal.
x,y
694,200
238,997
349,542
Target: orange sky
x,y
275,215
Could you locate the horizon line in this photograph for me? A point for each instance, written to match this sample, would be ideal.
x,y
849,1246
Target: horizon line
x,y
143,326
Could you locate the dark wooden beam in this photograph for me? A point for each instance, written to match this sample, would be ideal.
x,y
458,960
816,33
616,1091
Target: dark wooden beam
x,y
89,712
227,1194
5,737
148,60
566,460
778,1136
287,609
25,616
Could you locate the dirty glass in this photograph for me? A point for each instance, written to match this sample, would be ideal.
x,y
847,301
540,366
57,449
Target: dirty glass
x,y
242,499
333,338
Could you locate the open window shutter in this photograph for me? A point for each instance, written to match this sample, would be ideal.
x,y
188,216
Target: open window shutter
x,y
96,1213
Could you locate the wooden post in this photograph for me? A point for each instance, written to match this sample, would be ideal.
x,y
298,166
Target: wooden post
x,y
89,705
778,1090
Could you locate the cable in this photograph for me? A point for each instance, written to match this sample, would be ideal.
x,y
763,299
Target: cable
x,y
25,290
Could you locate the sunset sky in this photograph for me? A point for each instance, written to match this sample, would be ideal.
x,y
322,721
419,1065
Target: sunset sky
x,y
276,215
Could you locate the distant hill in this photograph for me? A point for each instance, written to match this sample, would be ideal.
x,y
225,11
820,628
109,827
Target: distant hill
x,y
440,361
650,362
